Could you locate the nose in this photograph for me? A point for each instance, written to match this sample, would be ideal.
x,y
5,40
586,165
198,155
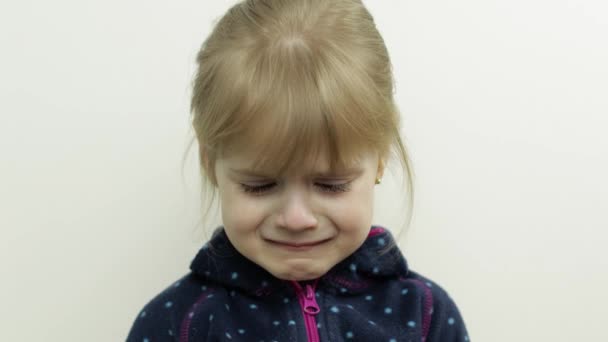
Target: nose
x,y
296,214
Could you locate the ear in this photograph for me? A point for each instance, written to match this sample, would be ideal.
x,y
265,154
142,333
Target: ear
x,y
380,168
206,168
204,159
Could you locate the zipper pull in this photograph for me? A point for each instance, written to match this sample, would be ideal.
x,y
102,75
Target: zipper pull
x,y
310,302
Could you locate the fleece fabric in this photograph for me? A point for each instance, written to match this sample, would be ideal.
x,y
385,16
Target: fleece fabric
x,y
369,296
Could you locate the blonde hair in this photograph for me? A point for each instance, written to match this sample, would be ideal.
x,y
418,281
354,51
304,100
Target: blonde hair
x,y
289,79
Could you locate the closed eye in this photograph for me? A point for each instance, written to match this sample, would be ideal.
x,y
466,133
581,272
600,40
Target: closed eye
x,y
329,188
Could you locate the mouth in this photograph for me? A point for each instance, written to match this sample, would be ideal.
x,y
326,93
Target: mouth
x,y
299,246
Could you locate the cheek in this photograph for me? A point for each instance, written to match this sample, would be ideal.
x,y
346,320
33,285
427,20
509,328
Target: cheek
x,y
358,204
356,218
241,213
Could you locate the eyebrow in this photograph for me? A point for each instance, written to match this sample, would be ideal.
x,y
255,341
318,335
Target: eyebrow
x,y
348,172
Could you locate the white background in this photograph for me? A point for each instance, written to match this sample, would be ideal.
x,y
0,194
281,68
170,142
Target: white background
x,y
505,109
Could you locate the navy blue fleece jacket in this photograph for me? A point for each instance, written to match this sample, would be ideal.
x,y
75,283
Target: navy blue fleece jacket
x,y
369,296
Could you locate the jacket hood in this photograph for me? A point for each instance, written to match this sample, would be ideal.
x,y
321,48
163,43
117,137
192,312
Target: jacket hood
x,y
379,257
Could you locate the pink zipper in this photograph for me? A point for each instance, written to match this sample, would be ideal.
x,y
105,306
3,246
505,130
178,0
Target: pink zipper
x,y
309,306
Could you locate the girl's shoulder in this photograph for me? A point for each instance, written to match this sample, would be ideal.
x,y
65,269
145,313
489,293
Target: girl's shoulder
x,y
441,316
166,314
427,285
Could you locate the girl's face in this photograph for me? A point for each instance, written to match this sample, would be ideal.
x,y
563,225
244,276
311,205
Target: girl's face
x,y
298,227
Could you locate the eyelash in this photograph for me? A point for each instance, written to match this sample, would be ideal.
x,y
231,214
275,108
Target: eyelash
x,y
331,188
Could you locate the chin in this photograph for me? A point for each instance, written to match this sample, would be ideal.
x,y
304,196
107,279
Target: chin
x,y
298,273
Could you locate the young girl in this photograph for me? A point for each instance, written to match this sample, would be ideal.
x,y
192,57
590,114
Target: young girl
x,y
295,119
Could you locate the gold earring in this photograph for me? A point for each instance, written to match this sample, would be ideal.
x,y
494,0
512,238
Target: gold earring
x,y
378,180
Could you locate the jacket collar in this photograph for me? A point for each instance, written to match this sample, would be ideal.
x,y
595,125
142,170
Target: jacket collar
x,y
378,258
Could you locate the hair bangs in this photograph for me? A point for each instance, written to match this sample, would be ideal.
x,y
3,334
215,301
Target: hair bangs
x,y
358,108
285,122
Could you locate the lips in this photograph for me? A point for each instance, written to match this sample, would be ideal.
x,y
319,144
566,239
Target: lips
x,y
299,244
